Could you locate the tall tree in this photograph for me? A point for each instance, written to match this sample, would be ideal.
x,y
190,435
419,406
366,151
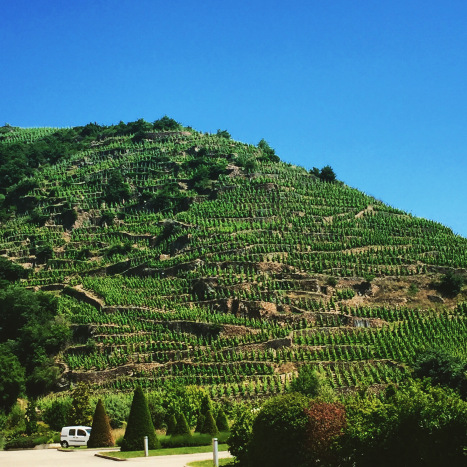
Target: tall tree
x,y
80,413
101,433
139,425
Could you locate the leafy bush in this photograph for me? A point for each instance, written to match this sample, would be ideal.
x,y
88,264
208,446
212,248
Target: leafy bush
x,y
118,409
80,411
240,435
171,424
182,427
11,378
442,368
279,432
451,284
417,425
221,421
101,434
209,426
194,440
311,383
326,423
139,425
57,414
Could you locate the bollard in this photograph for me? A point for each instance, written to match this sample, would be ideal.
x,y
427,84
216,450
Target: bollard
x,y
215,452
146,452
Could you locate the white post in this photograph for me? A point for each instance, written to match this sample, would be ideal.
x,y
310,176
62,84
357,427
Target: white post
x,y
215,452
146,452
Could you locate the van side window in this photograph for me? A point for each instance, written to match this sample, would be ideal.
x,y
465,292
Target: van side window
x,y
72,432
81,433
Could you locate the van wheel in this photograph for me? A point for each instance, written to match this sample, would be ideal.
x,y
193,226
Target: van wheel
x,y
64,444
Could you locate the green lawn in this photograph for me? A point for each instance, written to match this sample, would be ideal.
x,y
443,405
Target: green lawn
x,y
227,462
165,452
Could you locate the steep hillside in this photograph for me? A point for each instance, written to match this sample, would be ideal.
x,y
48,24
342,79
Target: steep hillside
x,y
179,254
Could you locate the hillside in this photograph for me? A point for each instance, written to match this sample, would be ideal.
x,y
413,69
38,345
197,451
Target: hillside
x,y
183,255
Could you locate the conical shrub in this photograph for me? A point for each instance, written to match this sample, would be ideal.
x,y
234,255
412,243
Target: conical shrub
x,y
200,423
139,425
182,427
101,433
221,421
210,426
171,425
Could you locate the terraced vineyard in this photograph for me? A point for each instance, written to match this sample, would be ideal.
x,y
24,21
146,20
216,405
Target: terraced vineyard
x,y
183,255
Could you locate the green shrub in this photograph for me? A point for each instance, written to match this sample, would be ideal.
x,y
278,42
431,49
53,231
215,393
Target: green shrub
x,y
279,431
199,423
312,383
451,284
117,408
221,421
171,424
182,427
56,415
101,434
193,440
139,425
209,426
80,411
240,435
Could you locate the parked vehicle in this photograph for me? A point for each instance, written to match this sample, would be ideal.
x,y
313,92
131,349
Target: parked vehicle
x,y
74,436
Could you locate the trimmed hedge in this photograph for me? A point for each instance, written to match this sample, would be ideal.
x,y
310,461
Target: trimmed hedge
x,y
139,425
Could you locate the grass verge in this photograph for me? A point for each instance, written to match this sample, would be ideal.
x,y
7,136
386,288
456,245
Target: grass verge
x,y
165,452
226,462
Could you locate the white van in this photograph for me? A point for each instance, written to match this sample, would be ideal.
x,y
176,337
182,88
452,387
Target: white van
x,y
74,436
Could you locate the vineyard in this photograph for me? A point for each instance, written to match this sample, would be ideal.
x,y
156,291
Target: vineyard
x,y
182,255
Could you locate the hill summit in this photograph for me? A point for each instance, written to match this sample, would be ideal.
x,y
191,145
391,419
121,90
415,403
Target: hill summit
x,y
177,254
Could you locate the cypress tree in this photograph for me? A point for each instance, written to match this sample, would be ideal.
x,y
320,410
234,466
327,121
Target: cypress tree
x,y
221,421
139,425
171,424
182,427
101,433
210,426
199,423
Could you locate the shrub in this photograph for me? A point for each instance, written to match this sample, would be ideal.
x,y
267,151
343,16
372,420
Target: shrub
x,y
209,426
117,409
442,368
80,412
194,440
199,423
11,378
101,434
57,414
312,383
240,435
182,427
221,421
326,423
279,432
139,425
31,417
451,284
171,424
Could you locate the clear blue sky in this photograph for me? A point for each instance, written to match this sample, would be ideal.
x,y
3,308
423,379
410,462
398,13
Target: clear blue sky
x,y
377,90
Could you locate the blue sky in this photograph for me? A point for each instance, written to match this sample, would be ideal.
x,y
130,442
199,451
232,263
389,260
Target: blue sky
x,y
377,90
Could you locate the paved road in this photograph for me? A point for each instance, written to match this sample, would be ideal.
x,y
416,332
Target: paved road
x,y
87,458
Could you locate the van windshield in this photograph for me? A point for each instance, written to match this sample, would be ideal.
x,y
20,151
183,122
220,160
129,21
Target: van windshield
x,y
89,431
